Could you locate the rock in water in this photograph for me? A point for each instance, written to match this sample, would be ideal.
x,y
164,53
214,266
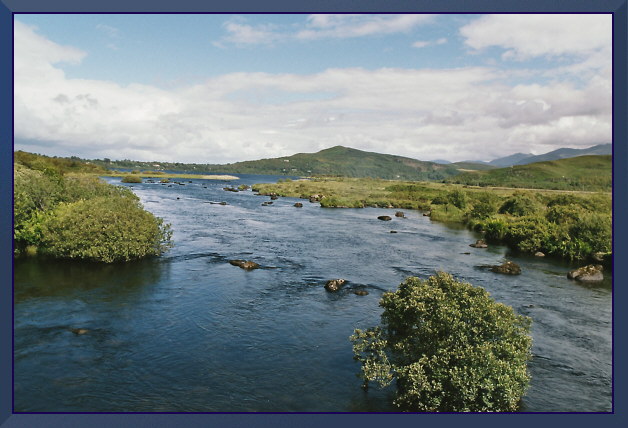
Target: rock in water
x,y
399,214
334,284
539,254
590,273
508,268
361,292
79,331
384,217
244,264
298,205
480,243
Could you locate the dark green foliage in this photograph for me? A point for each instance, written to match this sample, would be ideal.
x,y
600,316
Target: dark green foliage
x,y
519,205
458,198
67,215
131,179
449,346
484,206
104,229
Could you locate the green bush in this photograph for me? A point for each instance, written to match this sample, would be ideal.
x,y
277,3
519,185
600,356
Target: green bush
x,y
132,178
458,198
106,229
484,206
449,346
520,205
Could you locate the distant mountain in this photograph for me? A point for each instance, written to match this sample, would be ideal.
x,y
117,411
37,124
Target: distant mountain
x,y
343,161
510,160
600,149
589,172
473,165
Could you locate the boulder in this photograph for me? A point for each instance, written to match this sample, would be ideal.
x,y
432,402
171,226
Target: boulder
x,y
316,198
508,268
399,214
274,197
427,214
334,284
590,273
539,254
480,243
361,292
298,205
244,264
384,217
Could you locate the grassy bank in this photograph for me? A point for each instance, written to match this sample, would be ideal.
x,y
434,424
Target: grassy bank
x,y
174,176
566,224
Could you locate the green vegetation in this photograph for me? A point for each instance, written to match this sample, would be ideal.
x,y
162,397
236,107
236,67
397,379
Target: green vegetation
x,y
571,225
132,178
63,214
585,173
449,346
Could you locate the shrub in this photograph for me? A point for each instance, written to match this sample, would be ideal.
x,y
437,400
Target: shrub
x,y
458,198
106,229
449,346
484,206
520,205
132,178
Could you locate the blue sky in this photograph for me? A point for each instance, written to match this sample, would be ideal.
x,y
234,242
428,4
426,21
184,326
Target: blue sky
x,y
224,88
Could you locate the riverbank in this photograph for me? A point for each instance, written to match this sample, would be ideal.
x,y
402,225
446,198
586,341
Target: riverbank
x,y
572,225
160,175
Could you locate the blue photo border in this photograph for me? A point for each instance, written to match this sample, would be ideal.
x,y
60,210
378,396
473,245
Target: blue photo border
x,y
8,8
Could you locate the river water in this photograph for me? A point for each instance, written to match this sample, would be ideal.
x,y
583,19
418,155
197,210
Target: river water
x,y
188,332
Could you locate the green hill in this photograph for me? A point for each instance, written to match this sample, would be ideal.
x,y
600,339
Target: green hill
x,y
343,161
587,173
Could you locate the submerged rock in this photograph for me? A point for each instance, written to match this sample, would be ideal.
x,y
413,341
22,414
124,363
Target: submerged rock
x,y
507,268
384,217
399,214
298,205
79,331
480,243
361,292
244,264
590,273
334,284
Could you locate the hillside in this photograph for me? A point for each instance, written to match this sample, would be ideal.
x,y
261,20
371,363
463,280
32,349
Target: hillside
x,y
587,173
600,149
343,161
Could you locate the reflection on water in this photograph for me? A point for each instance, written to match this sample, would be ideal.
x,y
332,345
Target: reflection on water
x,y
190,332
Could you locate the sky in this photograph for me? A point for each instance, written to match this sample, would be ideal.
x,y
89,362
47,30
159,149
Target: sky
x,y
222,88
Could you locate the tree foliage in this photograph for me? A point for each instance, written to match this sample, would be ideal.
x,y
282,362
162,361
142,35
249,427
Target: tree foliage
x,y
80,216
448,346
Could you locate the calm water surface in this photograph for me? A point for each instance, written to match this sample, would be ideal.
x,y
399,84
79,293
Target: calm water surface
x,y
190,332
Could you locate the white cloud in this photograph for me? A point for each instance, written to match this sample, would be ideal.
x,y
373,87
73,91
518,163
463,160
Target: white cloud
x,y
345,26
528,36
460,113
241,33
424,43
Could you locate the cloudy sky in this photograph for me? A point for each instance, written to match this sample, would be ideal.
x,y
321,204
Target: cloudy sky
x,y
225,88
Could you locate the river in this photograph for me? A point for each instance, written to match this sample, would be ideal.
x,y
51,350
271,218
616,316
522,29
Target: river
x,y
188,332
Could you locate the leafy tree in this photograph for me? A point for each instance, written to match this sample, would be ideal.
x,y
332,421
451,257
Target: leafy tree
x,y
449,346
